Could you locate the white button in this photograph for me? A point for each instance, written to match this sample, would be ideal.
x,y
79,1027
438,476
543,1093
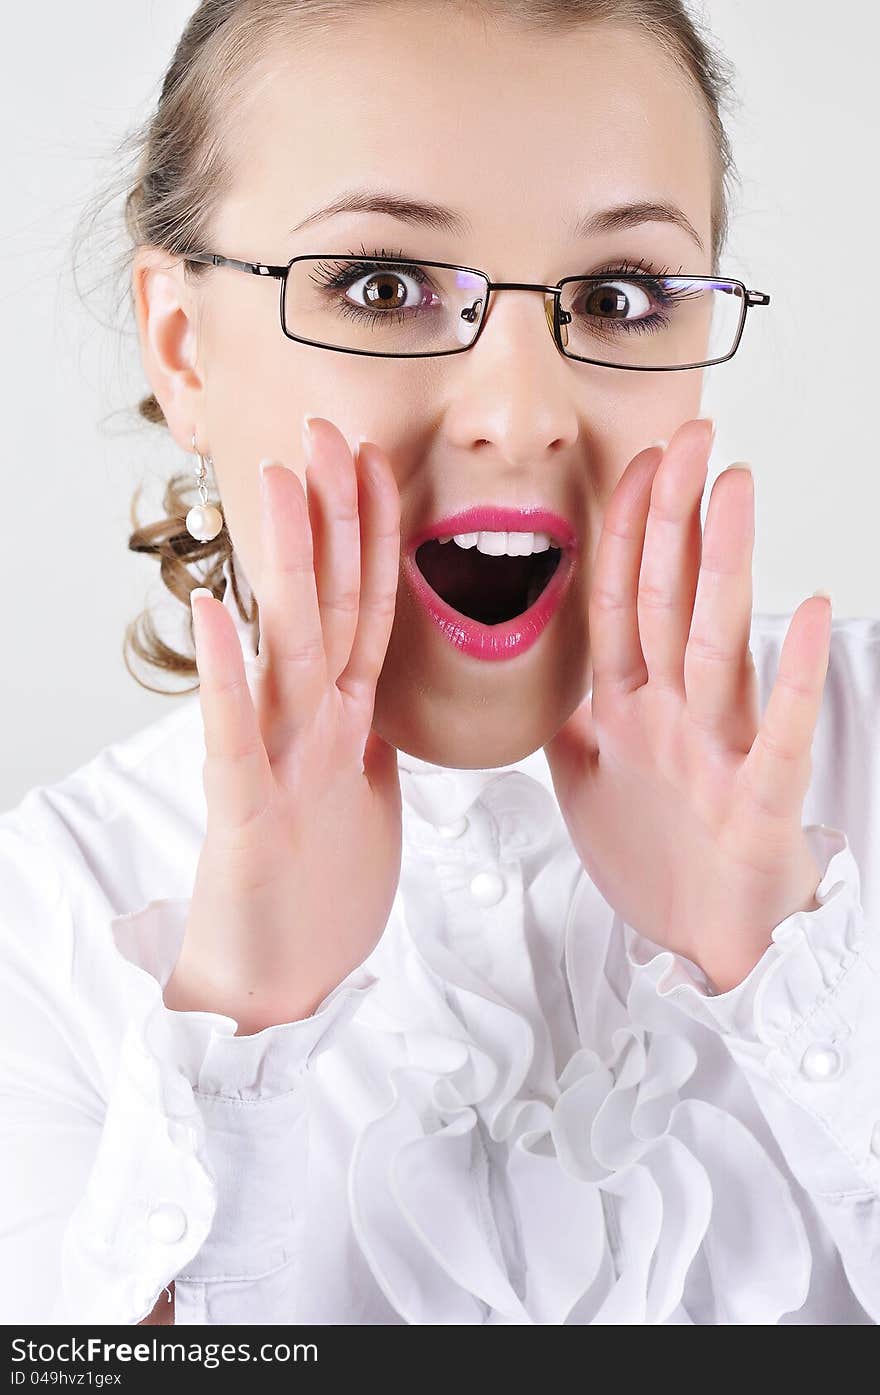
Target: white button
x,y
875,1139
454,830
487,888
821,1062
167,1222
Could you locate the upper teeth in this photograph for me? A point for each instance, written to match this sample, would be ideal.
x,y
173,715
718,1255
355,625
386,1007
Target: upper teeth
x,y
501,544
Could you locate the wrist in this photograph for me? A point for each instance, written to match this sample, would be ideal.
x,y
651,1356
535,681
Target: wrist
x,y
190,988
727,974
727,970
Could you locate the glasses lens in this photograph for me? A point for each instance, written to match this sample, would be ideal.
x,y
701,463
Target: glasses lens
x,y
651,322
383,306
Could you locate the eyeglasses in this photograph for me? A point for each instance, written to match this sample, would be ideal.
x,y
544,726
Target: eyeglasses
x,y
389,307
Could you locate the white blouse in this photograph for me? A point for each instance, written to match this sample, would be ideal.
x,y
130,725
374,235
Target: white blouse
x,y
515,1110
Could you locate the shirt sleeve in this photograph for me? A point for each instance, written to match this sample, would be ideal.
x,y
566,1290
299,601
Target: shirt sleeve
x,y
804,1027
137,1138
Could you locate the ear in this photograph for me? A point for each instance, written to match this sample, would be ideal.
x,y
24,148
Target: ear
x,y
165,309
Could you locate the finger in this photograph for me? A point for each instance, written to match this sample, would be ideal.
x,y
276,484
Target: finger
x,y
775,775
333,509
291,664
615,649
237,775
379,505
716,660
671,554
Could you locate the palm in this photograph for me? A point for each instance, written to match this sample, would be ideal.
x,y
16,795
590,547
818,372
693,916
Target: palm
x,y
360,812
650,836
684,806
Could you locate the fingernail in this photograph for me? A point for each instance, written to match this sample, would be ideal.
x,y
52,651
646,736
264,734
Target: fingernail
x,y
308,444
706,417
826,594
196,592
661,443
265,463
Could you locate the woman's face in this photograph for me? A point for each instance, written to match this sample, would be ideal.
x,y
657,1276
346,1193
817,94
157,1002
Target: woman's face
x,y
521,135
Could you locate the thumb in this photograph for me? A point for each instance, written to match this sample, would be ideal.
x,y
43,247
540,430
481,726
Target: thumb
x,y
575,744
380,764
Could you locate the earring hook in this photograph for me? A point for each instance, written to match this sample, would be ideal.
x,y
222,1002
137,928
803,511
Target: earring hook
x,y
204,521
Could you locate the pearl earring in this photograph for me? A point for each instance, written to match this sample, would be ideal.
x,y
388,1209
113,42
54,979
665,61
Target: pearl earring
x,y
203,521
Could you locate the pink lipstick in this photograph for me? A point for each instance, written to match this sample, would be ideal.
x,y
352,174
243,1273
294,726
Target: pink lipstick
x,y
509,638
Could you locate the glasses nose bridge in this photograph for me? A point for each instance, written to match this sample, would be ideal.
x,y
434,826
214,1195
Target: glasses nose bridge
x,y
550,293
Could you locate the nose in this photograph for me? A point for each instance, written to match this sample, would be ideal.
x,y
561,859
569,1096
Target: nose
x,y
512,389
551,295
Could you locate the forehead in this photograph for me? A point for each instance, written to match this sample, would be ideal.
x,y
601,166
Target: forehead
x,y
523,131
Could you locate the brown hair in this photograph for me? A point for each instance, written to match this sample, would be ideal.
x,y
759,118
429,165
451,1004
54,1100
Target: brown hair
x,y
182,171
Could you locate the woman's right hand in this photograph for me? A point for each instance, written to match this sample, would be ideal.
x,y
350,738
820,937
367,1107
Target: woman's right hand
x,y
301,858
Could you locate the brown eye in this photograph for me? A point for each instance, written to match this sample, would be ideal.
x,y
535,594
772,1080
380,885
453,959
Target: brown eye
x,y
613,300
385,290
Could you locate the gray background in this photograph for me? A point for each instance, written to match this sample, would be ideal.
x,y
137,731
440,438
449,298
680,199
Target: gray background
x,y
797,403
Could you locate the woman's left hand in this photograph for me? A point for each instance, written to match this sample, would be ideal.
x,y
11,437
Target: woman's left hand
x,y
685,806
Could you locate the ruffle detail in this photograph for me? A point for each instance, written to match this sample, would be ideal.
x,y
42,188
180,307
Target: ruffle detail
x,y
808,954
163,1059
817,986
214,1060
608,1182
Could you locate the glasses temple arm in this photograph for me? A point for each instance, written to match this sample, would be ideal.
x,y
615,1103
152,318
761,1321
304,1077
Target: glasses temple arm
x,y
256,268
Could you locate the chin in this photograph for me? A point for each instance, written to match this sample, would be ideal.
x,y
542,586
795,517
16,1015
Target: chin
x,y
466,741
466,715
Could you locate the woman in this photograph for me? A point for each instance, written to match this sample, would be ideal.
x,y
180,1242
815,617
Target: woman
x,y
509,964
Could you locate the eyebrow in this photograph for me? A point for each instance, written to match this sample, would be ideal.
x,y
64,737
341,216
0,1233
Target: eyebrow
x,y
449,220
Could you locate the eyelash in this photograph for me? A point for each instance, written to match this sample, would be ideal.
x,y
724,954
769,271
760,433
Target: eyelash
x,y
353,269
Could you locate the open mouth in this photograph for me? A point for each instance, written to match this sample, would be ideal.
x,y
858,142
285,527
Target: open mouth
x,y
488,589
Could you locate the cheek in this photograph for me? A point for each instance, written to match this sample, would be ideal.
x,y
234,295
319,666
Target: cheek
x,y
640,416
250,394
258,388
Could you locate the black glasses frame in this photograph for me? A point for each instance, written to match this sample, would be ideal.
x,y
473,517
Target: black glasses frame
x,y
556,317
